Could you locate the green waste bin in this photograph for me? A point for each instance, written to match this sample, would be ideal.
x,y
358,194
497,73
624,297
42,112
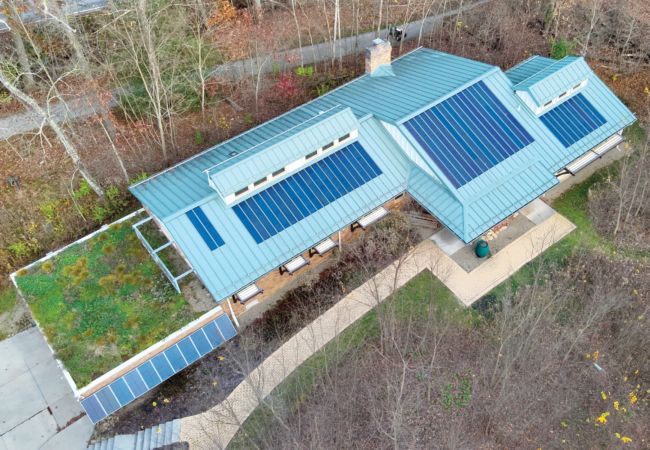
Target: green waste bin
x,y
482,248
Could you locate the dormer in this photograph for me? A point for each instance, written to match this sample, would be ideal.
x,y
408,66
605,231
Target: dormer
x,y
261,165
554,83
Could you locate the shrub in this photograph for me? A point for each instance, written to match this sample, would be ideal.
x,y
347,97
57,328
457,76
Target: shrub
x,y
562,48
134,278
103,237
115,226
107,249
108,284
119,270
46,267
22,273
101,341
136,250
88,332
83,274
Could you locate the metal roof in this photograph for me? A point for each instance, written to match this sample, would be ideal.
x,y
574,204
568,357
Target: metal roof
x,y
555,79
481,125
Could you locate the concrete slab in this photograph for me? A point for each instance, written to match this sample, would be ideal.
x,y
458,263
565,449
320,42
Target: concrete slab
x,y
31,434
65,409
537,211
33,347
2,444
124,442
20,399
74,437
12,363
447,241
50,380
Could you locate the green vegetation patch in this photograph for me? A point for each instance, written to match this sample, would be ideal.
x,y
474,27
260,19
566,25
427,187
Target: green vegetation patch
x,y
7,298
102,301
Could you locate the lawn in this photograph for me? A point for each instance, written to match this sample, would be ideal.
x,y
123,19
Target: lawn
x,y
102,301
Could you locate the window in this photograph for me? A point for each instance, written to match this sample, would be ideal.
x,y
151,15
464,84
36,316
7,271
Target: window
x,y
278,172
342,138
260,181
241,191
548,104
311,155
328,146
205,228
562,95
577,87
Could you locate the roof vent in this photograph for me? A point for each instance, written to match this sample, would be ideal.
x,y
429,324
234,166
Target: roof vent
x,y
376,54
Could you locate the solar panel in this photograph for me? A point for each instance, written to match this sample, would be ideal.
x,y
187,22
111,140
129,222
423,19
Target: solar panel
x,y
201,342
175,358
213,334
282,205
108,400
468,134
573,120
205,228
93,408
121,391
189,351
149,374
135,382
162,366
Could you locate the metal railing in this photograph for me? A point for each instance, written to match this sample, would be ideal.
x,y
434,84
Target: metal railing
x,y
154,255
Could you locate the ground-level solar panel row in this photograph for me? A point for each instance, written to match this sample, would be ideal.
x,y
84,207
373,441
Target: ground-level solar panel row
x,y
282,205
573,120
153,372
468,134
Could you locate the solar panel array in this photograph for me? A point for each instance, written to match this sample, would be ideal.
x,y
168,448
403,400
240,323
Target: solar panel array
x,y
468,133
282,205
573,120
162,366
205,228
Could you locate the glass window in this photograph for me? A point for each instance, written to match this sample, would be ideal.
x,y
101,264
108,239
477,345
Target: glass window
x,y
311,155
278,172
342,138
548,104
578,86
241,191
328,146
562,95
260,181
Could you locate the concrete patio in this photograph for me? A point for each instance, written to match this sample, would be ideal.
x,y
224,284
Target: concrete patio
x,y
37,402
535,228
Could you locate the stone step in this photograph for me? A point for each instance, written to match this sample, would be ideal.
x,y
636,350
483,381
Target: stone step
x,y
146,442
139,440
124,442
110,444
104,445
176,431
168,433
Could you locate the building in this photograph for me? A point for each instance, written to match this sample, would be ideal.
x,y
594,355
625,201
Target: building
x,y
470,143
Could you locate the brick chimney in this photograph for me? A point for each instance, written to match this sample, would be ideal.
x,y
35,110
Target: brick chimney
x,y
377,53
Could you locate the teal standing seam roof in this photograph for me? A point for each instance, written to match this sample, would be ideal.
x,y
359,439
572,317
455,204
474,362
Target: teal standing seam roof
x,y
555,79
468,108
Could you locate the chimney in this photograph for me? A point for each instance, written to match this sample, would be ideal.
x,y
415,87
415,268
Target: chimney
x,y
377,53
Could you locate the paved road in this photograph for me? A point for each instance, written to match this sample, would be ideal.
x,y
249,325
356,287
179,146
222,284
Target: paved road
x,y
35,398
71,8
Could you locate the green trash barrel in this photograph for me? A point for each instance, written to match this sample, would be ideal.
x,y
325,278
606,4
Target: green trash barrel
x,y
482,249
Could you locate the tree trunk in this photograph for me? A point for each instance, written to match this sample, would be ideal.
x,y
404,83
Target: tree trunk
x,y
12,23
69,148
141,8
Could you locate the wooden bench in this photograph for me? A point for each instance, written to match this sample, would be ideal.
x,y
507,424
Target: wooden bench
x,y
370,219
323,247
293,265
247,293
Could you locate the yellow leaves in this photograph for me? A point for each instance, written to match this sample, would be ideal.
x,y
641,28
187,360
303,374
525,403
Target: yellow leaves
x,y
635,292
158,431
220,358
603,418
626,439
633,398
603,394
616,405
596,355
617,435
154,403
214,383
166,401
588,355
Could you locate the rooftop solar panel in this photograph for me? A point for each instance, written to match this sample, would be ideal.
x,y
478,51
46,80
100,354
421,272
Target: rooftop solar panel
x,y
205,228
468,134
149,374
162,366
93,409
282,205
189,351
121,391
572,120
108,400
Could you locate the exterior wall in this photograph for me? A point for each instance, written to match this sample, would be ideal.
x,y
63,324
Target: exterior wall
x,y
273,281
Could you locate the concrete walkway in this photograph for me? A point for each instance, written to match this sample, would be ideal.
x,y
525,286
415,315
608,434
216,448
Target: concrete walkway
x,y
36,402
216,427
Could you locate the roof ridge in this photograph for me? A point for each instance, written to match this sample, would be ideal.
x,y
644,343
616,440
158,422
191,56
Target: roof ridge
x,y
540,71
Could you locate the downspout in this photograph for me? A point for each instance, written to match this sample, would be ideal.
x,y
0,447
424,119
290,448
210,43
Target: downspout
x,y
232,313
